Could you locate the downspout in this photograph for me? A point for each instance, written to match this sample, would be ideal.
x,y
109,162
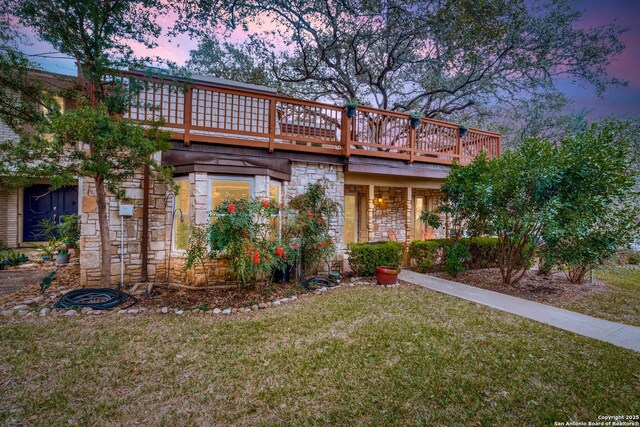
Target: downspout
x,y
145,224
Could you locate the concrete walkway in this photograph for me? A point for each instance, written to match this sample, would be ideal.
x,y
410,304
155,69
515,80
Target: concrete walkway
x,y
615,333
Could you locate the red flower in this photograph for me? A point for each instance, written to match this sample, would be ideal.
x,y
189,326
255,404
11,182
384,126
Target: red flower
x,y
280,252
281,204
266,203
323,244
319,220
310,213
231,207
256,257
295,246
315,246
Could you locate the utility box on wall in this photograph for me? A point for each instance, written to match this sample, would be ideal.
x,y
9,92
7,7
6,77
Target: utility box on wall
x,y
126,210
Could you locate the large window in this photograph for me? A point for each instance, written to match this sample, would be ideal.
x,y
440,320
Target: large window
x,y
181,215
235,188
350,218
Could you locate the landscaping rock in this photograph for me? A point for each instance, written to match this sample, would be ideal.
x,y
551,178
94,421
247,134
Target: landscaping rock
x,y
70,313
164,310
217,311
133,311
277,302
262,305
254,307
180,312
7,313
226,311
86,310
21,307
122,311
323,289
45,311
36,300
293,298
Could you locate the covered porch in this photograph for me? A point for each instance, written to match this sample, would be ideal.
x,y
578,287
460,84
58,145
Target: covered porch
x,y
382,208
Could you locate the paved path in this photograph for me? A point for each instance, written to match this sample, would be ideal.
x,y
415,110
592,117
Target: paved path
x,y
615,333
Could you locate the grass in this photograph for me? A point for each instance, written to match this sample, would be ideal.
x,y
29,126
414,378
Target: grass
x,y
620,303
354,356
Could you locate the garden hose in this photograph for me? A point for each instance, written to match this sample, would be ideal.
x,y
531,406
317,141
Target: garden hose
x,y
95,298
317,282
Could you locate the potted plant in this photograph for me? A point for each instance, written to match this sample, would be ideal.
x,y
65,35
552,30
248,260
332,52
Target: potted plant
x,y
351,106
415,118
386,275
63,256
462,131
49,249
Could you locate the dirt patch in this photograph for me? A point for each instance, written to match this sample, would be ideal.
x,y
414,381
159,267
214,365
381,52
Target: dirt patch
x,y
553,289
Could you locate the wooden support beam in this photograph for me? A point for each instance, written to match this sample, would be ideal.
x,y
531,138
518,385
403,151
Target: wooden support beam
x,y
408,228
272,124
345,133
188,101
370,210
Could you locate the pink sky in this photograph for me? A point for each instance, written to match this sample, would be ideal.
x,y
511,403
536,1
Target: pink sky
x,y
618,101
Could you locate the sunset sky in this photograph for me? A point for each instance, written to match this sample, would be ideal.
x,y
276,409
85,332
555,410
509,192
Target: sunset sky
x,y
621,102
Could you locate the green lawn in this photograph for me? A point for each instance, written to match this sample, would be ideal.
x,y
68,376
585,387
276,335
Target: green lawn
x,y
352,356
620,302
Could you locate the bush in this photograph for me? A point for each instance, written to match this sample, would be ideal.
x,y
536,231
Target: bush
x,y
484,252
364,258
426,254
455,257
430,255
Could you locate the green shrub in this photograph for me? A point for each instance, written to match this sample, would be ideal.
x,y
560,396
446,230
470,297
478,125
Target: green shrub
x,y
455,258
425,254
430,255
634,259
484,252
364,258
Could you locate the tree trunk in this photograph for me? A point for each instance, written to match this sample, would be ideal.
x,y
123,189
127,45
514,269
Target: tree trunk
x,y
105,244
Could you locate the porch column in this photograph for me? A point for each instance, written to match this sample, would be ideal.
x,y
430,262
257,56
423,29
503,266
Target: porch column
x,y
407,226
370,209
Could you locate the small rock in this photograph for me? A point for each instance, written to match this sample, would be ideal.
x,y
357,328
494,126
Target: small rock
x,y
254,307
66,291
247,310
226,311
323,289
22,312
21,307
122,311
133,311
284,300
164,310
7,313
180,312
45,311
86,310
262,305
277,302
217,311
70,312
293,298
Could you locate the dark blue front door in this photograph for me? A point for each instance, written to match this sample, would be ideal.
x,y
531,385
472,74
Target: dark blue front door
x,y
40,203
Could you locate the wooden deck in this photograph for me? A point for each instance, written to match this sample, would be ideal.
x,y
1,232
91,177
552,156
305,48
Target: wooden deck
x,y
209,113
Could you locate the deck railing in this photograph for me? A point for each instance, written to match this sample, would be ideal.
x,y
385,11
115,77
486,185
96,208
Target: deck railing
x,y
208,113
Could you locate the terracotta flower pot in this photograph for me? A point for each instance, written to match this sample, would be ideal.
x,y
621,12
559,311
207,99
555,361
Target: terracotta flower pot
x,y
387,275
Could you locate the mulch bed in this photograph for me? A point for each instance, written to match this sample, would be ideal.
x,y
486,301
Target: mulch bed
x,y
162,295
553,289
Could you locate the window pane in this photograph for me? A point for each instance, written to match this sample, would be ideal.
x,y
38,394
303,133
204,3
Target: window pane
x,y
274,192
418,226
182,198
350,215
181,232
221,190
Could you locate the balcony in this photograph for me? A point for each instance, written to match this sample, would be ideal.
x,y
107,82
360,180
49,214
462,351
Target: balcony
x,y
196,111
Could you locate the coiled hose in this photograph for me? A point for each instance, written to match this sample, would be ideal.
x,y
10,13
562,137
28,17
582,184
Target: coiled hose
x,y
95,298
317,282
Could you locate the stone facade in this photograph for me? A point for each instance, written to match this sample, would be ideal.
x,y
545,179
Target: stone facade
x,y
128,227
9,216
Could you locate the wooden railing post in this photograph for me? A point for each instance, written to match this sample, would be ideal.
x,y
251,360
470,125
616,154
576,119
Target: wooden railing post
x,y
188,100
345,134
412,142
272,124
499,146
459,146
